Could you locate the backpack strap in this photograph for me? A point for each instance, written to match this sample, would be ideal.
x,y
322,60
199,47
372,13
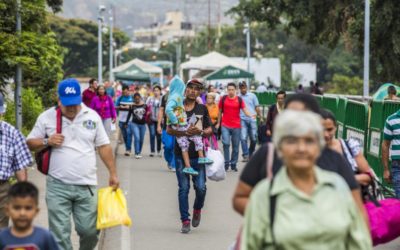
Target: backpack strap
x,y
269,161
272,208
59,121
240,99
223,103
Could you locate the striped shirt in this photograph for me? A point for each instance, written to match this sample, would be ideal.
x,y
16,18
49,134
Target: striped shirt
x,y
14,153
391,133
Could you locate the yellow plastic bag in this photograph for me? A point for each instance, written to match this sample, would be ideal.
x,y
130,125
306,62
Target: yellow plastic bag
x,y
112,209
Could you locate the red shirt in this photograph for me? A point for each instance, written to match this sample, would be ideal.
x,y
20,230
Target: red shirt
x,y
87,97
231,112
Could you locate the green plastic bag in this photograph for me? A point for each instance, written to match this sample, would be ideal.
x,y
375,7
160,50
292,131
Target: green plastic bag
x,y
112,209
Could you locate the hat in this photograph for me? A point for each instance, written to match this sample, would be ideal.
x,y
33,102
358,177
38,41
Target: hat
x,y
194,81
69,92
2,108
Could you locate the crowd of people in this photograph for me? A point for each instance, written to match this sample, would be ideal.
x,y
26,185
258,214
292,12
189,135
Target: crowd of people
x,y
304,189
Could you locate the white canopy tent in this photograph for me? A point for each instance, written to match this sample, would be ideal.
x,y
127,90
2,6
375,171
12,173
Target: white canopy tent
x,y
209,62
144,66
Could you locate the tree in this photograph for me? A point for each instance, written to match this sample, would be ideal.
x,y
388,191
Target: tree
x,y
327,22
343,84
79,39
36,49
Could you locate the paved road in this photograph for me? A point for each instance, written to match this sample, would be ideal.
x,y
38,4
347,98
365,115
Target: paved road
x,y
151,191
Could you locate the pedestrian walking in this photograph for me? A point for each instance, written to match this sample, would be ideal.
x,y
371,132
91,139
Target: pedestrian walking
x,y
110,91
104,106
213,111
350,149
123,104
255,170
89,93
153,106
191,107
261,88
302,201
137,123
15,157
72,179
248,124
167,139
273,111
229,120
22,206
176,118
212,89
391,143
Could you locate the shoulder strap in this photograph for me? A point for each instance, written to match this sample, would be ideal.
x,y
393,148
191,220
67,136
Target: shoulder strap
x,y
223,103
269,161
240,102
59,121
346,142
272,208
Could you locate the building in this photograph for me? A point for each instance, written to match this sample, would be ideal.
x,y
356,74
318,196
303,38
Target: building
x,y
174,27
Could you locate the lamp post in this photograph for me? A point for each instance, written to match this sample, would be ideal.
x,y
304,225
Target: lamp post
x,y
366,49
170,59
18,75
111,75
247,31
102,8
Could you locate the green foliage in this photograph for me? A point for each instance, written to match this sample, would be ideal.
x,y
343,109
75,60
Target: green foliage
x,y
36,49
343,84
79,39
329,22
32,107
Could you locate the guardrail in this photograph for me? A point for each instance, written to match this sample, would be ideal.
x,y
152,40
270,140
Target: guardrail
x,y
358,118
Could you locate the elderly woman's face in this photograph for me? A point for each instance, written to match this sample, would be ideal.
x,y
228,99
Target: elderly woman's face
x,y
300,152
210,99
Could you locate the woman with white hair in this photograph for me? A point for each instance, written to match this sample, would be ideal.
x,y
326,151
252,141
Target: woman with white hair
x,y
303,206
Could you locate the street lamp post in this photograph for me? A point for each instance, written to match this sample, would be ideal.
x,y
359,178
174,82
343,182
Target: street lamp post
x,y
102,8
18,75
366,49
247,26
111,75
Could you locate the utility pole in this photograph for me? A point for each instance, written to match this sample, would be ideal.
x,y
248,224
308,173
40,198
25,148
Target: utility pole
x,y
248,49
219,24
111,75
100,46
18,75
366,48
178,48
209,26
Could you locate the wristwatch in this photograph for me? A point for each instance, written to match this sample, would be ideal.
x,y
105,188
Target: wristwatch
x,y
46,142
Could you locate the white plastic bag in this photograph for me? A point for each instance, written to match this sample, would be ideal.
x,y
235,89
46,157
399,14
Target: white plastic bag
x,y
215,171
113,127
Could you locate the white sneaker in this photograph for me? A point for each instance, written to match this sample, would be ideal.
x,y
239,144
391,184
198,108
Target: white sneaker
x,y
138,156
159,154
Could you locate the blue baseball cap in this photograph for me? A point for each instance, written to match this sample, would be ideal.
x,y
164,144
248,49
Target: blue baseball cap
x,y
69,92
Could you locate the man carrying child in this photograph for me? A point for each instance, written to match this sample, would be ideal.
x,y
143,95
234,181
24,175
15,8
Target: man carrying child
x,y
201,128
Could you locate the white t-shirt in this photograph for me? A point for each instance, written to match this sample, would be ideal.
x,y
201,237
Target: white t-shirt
x,y
75,161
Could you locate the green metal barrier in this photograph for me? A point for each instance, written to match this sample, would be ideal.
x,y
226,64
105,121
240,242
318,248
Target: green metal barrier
x,y
356,123
331,103
376,124
341,116
319,99
271,98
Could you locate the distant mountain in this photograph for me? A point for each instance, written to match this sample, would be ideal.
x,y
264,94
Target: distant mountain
x,y
133,14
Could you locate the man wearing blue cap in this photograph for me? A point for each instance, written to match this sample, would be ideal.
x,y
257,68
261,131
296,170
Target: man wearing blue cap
x,y
14,158
72,178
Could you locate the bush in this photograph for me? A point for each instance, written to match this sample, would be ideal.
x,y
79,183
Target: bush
x,y
32,107
345,85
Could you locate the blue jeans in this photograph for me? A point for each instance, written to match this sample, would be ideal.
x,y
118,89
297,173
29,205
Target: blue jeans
x,y
199,184
169,145
154,136
249,129
126,135
395,171
228,135
138,131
